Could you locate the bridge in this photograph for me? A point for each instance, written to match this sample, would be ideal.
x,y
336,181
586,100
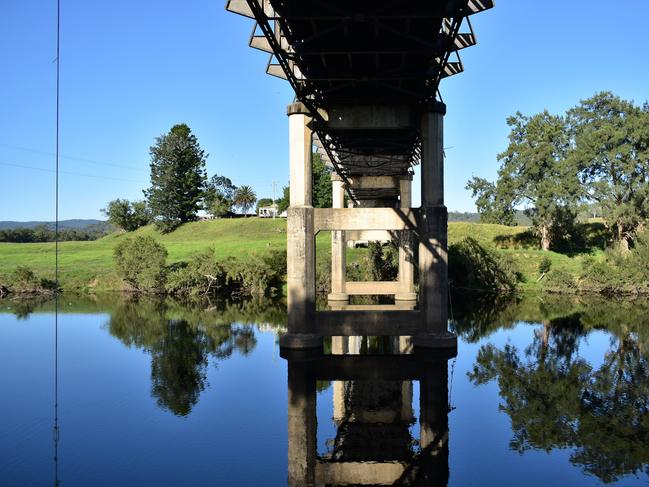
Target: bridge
x,y
366,76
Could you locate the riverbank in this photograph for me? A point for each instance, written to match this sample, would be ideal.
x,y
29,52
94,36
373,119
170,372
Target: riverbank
x,y
89,266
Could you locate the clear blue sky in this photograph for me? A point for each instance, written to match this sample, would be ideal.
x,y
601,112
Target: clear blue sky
x,y
130,70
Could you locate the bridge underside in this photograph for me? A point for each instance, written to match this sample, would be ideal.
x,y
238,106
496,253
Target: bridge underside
x,y
366,76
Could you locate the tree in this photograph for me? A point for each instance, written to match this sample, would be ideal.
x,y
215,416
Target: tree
x,y
322,191
284,202
536,172
611,148
127,215
493,206
219,196
177,178
245,198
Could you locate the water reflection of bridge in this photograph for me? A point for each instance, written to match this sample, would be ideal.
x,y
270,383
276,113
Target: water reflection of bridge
x,y
373,414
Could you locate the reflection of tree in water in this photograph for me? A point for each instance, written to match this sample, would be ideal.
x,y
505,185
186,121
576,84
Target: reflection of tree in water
x,y
556,399
180,348
178,367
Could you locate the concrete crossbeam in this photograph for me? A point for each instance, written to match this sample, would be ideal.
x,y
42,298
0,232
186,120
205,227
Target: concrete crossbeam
x,y
371,288
365,219
369,117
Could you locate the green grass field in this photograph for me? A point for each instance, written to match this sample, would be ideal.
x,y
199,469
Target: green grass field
x,y
87,266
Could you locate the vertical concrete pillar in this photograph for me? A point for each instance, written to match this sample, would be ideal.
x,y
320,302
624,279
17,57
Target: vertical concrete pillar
x,y
433,257
338,246
300,234
406,257
302,426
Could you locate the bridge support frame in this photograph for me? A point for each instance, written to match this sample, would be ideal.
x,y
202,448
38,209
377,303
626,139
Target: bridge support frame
x,y
428,325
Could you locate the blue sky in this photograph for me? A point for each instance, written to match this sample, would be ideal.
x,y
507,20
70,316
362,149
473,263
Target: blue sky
x,y
130,70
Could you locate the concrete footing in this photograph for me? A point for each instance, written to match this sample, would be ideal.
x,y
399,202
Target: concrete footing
x,y
300,341
442,340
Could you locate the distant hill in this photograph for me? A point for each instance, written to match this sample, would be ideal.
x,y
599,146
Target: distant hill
x,y
457,216
63,224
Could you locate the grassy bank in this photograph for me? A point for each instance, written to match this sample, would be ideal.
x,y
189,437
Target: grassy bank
x,y
88,266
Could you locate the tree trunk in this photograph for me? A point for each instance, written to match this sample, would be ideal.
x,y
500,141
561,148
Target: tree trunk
x,y
545,238
622,238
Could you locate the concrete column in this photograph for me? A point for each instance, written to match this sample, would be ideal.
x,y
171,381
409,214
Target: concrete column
x,y
338,244
302,427
433,256
406,257
300,235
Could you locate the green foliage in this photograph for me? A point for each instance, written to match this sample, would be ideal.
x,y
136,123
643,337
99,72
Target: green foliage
x,y
473,266
44,233
284,202
611,150
559,281
545,265
258,275
383,261
493,206
219,196
230,277
245,198
24,280
128,216
140,261
177,178
322,196
535,171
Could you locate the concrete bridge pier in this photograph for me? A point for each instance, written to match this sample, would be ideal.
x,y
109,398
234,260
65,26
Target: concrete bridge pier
x,y
433,232
300,234
338,248
406,292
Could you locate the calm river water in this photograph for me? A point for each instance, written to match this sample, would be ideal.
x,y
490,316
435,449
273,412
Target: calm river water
x,y
541,393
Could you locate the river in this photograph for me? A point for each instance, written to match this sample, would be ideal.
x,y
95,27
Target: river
x,y
120,391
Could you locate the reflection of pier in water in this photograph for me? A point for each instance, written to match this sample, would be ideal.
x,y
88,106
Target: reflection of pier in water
x,y
373,414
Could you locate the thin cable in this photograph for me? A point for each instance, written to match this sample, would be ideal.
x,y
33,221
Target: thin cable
x,y
56,249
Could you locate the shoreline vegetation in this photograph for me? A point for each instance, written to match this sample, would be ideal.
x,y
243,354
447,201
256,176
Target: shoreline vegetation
x,y
247,257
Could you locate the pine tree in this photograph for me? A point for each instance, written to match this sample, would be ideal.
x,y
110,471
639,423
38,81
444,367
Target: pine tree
x,y
177,178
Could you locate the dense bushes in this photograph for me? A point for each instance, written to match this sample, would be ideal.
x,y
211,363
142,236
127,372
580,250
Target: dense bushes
x,y
140,261
472,266
619,272
24,280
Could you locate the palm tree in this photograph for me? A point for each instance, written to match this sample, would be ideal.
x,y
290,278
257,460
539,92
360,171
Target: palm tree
x,y
245,198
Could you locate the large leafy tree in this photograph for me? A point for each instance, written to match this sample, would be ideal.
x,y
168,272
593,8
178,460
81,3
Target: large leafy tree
x,y
611,147
127,215
493,206
245,198
219,196
177,178
536,173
